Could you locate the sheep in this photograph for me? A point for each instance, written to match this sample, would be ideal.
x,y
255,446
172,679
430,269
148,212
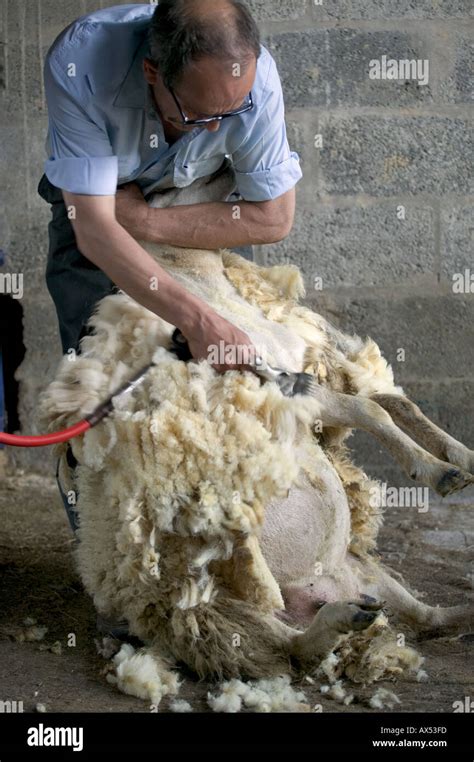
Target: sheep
x,y
224,521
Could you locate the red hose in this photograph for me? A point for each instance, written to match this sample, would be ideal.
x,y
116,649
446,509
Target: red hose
x,y
101,412
46,439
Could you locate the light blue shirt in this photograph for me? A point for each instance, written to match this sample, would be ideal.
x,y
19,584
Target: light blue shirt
x,y
104,130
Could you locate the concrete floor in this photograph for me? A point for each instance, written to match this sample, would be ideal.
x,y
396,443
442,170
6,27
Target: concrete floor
x,y
433,552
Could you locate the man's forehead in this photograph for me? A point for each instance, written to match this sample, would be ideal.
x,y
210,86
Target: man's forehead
x,y
215,83
209,65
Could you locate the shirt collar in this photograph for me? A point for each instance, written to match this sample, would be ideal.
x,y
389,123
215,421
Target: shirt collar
x,y
133,92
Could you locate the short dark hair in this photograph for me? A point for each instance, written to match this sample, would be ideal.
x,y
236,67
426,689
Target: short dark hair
x,y
178,36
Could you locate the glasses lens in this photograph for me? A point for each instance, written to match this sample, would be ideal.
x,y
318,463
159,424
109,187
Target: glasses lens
x,y
246,106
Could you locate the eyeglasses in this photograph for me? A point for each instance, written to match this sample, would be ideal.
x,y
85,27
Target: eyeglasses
x,y
248,106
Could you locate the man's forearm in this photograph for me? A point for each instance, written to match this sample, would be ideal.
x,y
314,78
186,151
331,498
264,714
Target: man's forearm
x,y
134,271
103,240
205,226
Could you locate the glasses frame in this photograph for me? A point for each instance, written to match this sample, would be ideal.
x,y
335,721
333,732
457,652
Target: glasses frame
x,y
186,122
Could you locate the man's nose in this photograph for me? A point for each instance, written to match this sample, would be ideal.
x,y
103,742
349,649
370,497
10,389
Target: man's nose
x,y
213,126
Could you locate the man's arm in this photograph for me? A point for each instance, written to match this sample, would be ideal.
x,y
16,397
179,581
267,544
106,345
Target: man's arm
x,y
110,247
206,226
264,169
83,161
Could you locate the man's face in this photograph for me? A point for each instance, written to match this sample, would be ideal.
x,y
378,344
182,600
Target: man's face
x,y
207,87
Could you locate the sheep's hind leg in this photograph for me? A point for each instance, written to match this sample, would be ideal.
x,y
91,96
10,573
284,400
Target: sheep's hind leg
x,y
410,418
345,411
331,621
237,640
424,619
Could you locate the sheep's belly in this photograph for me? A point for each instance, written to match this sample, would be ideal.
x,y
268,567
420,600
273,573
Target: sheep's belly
x,y
305,541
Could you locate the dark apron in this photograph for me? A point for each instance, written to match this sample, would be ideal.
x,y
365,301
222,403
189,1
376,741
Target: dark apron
x,y
74,282
75,285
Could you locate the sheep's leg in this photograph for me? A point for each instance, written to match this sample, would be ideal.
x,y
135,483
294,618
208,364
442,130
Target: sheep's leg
x,y
231,638
343,410
409,416
422,618
332,620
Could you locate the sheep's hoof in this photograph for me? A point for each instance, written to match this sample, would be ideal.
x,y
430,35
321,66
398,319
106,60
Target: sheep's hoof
x,y
459,455
369,601
351,615
332,621
453,480
367,611
112,628
363,619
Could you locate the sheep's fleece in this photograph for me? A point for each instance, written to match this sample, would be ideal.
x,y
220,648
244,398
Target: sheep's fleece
x,y
173,486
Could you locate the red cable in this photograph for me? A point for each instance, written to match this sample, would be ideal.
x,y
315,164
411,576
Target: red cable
x,y
101,412
46,439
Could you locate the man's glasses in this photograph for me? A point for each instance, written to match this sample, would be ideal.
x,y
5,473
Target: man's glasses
x,y
185,121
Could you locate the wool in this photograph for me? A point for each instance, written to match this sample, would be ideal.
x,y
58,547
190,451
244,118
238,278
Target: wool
x,y
142,675
30,632
337,692
263,696
180,706
383,699
174,485
370,655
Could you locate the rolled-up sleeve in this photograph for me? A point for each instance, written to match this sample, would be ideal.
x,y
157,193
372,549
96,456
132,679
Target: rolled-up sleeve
x,y
81,159
264,165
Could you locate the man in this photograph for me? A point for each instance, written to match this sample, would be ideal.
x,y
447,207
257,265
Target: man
x,y
143,98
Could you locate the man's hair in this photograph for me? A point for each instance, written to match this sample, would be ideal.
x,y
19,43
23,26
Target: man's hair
x,y
180,34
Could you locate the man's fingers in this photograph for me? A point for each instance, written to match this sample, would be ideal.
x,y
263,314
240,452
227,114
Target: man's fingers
x,y
225,368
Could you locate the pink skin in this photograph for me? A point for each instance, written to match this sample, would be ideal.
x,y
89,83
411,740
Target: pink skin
x,y
208,87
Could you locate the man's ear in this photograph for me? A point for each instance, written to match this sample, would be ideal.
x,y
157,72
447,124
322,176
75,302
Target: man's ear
x,y
150,71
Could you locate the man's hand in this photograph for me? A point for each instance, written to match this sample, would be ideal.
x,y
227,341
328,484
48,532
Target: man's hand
x,y
213,338
221,343
131,209
111,248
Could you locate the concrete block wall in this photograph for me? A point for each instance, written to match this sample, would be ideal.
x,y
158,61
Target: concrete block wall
x,y
384,212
